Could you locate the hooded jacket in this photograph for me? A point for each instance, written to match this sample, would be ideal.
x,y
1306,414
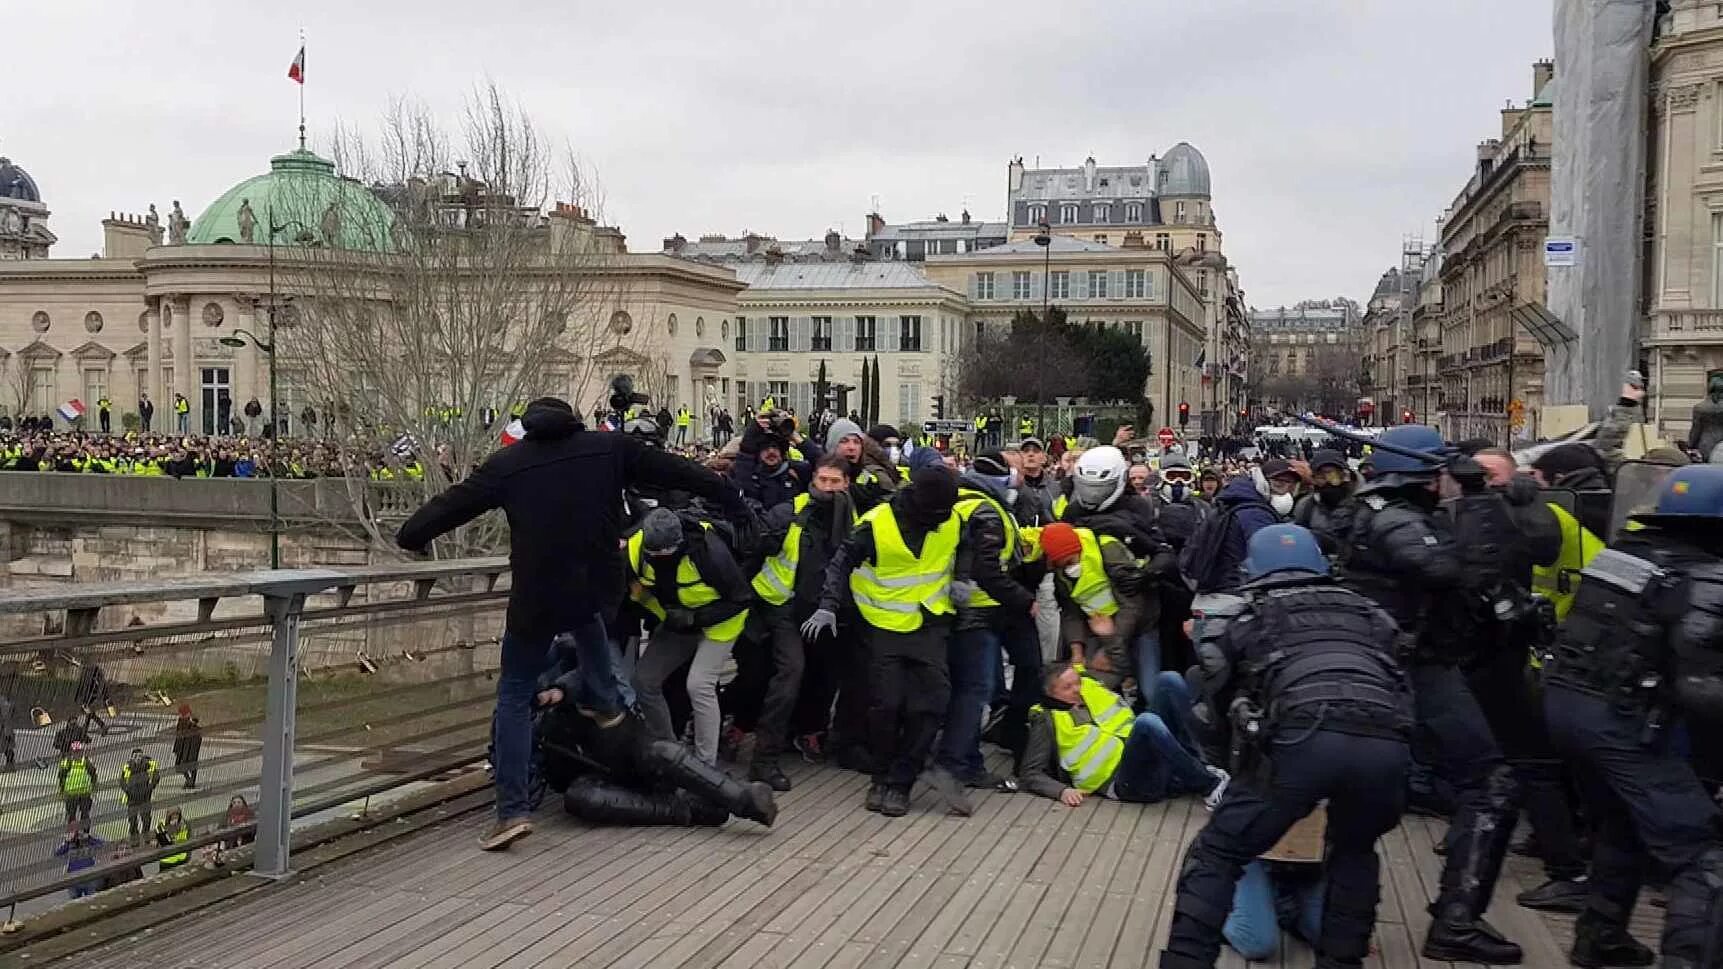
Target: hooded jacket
x,y
859,548
1244,511
561,488
983,540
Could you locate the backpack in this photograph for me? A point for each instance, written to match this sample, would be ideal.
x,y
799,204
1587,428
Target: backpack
x,y
744,539
1200,559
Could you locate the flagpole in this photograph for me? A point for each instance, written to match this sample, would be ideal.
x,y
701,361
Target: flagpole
x,y
302,91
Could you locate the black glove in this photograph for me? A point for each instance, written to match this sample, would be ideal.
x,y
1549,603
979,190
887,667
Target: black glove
x,y
680,620
1469,474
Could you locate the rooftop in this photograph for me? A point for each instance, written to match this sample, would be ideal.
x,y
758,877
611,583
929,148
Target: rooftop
x,y
1061,243
754,247
849,275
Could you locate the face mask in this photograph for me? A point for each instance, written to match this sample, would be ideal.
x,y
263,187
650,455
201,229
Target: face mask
x,y
1011,496
1282,504
1074,571
893,453
821,497
1174,491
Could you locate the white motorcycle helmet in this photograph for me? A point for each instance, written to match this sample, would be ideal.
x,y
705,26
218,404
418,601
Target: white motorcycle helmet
x,y
1099,478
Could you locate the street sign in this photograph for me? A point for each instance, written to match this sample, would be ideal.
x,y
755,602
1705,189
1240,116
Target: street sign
x,y
1166,436
1561,251
947,427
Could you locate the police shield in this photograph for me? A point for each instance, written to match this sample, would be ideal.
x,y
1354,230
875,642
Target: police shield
x,y
1637,485
1564,498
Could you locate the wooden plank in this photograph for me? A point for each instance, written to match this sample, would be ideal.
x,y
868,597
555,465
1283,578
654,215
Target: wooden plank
x,y
1135,948
1193,817
447,934
1069,932
359,920
943,923
405,933
1053,820
1109,918
1062,872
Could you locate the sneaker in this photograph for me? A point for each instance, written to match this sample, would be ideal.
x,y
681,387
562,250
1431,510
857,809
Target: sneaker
x,y
951,791
1557,895
811,747
1212,799
894,803
505,833
875,797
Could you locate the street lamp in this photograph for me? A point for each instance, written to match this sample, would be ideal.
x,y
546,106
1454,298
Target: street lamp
x,y
1044,239
268,348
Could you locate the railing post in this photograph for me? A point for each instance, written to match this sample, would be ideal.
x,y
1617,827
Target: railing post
x,y
275,795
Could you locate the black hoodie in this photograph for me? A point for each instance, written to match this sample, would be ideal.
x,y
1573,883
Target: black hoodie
x,y
561,488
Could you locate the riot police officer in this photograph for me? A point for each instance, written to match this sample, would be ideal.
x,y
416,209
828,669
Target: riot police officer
x,y
1639,657
1320,710
1400,552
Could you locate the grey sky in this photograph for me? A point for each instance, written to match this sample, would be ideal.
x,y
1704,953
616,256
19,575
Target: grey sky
x,y
1332,127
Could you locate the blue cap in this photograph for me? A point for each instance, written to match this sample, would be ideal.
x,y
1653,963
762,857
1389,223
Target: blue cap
x,y
1283,548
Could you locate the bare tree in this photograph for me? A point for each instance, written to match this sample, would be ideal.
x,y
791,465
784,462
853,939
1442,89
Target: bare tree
x,y
20,383
445,277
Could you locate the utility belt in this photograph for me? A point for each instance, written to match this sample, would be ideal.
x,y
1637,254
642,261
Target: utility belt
x,y
1356,708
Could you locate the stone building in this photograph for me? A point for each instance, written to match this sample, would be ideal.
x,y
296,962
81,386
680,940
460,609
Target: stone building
x,y
1133,287
1682,333
1397,345
795,316
1308,356
149,317
1166,205
23,218
1491,369
939,236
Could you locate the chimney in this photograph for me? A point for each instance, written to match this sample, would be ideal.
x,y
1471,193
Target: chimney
x,y
750,242
675,243
965,216
774,256
858,256
1089,174
941,218
1014,174
125,236
1542,73
875,224
833,240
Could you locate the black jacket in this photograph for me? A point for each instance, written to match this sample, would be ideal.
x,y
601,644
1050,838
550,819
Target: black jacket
x,y
859,548
983,541
1399,554
820,540
561,488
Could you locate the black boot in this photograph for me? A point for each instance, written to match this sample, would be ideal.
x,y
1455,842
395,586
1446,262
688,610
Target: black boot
x,y
765,769
894,802
1563,895
1455,936
875,797
678,765
1598,943
601,801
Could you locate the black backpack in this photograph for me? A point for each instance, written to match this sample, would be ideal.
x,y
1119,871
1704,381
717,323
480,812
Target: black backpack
x,y
1200,559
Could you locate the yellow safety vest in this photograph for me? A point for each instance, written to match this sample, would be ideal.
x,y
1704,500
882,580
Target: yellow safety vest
x,y
692,592
1059,505
776,581
178,837
1092,592
77,781
892,591
1025,427
1579,545
969,499
1090,751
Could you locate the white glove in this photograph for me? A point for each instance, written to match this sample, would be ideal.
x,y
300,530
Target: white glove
x,y
962,592
823,620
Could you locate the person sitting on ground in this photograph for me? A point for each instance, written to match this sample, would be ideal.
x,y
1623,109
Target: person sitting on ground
x,y
1142,759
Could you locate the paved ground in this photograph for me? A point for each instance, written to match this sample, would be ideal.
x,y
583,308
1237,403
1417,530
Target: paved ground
x,y
1024,883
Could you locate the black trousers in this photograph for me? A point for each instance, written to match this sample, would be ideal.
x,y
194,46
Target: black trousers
x,y
908,688
852,653
787,663
1511,704
1362,779
1454,738
1648,808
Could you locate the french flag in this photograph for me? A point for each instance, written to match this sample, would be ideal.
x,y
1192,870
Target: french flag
x,y
71,410
513,433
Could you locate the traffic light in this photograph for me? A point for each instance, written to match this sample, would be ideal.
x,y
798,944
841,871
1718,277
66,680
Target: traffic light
x,y
1406,416
939,407
1184,413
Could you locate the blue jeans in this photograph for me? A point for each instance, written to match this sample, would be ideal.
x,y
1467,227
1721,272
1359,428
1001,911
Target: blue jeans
x,y
1253,926
1160,759
971,656
601,683
524,660
1146,654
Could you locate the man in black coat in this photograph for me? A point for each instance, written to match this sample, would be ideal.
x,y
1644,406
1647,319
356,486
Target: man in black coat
x,y
561,488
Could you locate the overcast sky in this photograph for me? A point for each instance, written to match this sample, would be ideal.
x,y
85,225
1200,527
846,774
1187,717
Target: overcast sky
x,y
1333,128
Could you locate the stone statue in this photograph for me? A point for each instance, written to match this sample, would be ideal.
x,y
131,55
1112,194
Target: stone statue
x,y
153,223
330,223
177,225
1706,431
247,222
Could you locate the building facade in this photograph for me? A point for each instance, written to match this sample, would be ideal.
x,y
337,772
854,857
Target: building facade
x,y
1135,288
792,318
939,236
1307,357
1398,359
149,317
1682,333
1491,369
23,218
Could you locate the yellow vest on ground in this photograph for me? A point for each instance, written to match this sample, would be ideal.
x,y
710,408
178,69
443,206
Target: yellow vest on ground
x,y
1091,591
1090,751
692,592
969,499
1560,581
892,591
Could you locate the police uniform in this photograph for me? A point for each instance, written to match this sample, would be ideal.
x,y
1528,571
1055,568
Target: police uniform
x,y
1401,554
1320,711
1640,656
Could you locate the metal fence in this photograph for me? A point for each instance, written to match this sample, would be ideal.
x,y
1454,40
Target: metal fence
x,y
259,701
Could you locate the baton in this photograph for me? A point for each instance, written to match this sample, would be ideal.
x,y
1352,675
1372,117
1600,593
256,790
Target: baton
x,y
1435,461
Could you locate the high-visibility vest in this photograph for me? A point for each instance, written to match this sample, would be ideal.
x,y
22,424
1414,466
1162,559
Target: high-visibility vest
x,y
768,404
1025,427
1090,751
682,417
77,782
178,837
981,423
1579,545
126,776
776,580
892,591
1059,505
692,592
1092,591
969,499
181,406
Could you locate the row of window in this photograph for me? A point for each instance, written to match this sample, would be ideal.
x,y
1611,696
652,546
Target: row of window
x,y
799,396
1090,284
821,334
1101,213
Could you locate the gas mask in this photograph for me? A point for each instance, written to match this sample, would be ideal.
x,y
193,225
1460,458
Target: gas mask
x,y
1175,491
1282,504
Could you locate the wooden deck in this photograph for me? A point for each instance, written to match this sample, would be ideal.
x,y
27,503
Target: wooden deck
x,y
1024,883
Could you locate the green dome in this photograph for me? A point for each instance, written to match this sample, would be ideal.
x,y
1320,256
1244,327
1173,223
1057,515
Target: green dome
x,y
306,199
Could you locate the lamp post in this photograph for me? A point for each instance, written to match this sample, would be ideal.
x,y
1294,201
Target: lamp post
x,y
268,348
1044,239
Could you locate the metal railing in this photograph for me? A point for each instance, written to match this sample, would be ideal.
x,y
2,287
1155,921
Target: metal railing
x,y
297,690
